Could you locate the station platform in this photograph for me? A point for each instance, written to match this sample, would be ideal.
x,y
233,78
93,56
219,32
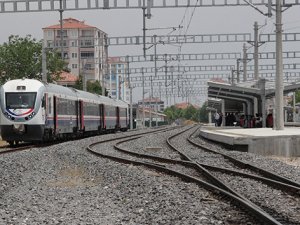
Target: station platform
x,y
263,141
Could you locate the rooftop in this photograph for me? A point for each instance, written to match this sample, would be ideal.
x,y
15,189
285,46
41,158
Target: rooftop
x,y
70,23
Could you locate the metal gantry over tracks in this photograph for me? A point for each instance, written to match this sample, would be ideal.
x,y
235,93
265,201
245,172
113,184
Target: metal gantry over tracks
x,y
8,6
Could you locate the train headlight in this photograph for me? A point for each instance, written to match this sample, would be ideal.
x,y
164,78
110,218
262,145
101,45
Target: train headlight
x,y
19,128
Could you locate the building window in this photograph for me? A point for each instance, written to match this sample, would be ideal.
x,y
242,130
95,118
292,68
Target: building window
x,y
74,66
64,33
87,33
113,69
49,33
85,55
58,43
73,33
74,55
74,43
88,67
87,43
50,44
113,77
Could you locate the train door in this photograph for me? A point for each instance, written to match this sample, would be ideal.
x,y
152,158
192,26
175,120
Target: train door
x,y
126,115
102,116
81,115
104,109
45,108
55,122
118,117
77,116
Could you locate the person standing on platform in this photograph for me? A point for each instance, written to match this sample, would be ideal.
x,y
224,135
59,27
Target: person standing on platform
x,y
220,119
217,118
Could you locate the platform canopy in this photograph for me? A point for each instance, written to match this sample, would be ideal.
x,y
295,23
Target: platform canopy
x,y
248,89
252,94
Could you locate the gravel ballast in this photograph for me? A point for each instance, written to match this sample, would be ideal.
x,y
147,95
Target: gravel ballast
x,y
65,184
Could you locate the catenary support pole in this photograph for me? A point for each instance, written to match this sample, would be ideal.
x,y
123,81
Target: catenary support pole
x,y
44,64
151,101
255,51
130,96
244,63
106,64
61,29
294,107
279,124
143,98
238,71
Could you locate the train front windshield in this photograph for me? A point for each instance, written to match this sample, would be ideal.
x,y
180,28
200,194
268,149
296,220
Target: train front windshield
x,y
20,100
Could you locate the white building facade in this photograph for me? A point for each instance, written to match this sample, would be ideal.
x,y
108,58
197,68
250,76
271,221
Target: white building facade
x,y
117,79
83,47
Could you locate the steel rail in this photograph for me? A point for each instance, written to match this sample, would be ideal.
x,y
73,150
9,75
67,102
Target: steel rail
x,y
249,166
271,182
16,149
191,164
256,211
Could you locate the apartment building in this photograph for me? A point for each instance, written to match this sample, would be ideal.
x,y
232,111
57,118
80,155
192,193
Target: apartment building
x,y
117,79
152,104
83,47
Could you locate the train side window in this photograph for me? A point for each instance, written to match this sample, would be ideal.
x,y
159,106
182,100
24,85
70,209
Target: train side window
x,y
43,102
50,105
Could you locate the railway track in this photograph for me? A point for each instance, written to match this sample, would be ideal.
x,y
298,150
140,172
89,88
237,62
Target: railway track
x,y
217,170
202,177
6,149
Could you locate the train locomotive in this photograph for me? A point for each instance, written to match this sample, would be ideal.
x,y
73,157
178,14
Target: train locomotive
x,y
34,111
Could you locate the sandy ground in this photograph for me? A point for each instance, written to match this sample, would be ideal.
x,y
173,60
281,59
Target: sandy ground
x,y
2,143
294,161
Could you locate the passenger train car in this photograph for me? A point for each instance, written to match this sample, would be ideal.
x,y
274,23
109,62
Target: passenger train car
x,y
34,111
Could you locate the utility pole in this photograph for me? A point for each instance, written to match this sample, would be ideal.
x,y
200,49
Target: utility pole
x,y
255,51
144,31
172,80
148,15
238,71
244,63
61,29
155,56
84,76
44,64
130,96
156,110
159,90
143,98
256,44
279,124
294,107
166,72
106,64
150,108
108,69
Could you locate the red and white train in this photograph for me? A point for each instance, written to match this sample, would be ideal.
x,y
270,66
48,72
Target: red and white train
x,y
34,111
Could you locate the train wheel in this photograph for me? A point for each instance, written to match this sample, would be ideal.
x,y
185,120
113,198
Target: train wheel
x,y
13,143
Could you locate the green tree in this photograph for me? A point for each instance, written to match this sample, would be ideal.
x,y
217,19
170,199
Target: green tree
x,y
190,113
22,57
173,113
91,86
297,98
203,114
